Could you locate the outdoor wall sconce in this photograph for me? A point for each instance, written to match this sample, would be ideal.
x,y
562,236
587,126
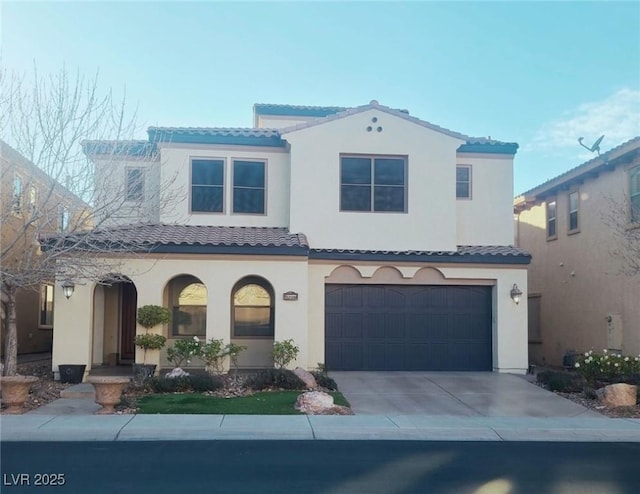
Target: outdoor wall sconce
x,y
67,288
516,293
291,296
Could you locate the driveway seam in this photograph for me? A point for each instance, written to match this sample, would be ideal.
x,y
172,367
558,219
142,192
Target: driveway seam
x,y
313,432
123,426
497,433
457,399
47,422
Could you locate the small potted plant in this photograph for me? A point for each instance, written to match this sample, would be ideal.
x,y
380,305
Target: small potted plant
x,y
149,316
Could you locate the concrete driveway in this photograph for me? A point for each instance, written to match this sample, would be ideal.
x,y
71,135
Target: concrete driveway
x,y
462,394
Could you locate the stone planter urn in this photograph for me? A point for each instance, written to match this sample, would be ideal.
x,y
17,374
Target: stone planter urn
x,y
15,391
108,391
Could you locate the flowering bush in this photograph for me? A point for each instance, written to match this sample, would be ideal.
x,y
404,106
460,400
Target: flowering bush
x,y
608,367
184,350
214,352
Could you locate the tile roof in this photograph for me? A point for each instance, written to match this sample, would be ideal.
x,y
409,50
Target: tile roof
x,y
217,135
580,171
184,238
489,254
136,148
296,110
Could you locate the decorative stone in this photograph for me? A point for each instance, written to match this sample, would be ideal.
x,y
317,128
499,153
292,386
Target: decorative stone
x,y
176,372
313,402
15,391
618,395
108,391
306,377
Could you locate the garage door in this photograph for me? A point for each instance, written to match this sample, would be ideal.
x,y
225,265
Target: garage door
x,y
402,327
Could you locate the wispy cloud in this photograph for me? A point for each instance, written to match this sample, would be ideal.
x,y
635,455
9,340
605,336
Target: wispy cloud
x,y
617,116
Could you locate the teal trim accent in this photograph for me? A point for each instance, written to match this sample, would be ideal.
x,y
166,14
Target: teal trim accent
x,y
492,148
169,136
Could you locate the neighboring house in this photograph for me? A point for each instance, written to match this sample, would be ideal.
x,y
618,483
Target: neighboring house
x,y
581,294
373,239
34,203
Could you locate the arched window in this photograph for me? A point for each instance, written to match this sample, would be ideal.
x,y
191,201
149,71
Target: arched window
x,y
253,308
188,300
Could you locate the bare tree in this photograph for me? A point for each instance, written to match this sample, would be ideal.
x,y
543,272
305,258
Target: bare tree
x,y
623,219
52,190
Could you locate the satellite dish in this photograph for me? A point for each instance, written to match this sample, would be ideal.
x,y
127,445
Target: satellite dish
x,y
596,145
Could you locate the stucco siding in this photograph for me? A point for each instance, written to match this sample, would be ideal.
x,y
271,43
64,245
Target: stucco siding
x,y
429,222
485,218
176,171
587,301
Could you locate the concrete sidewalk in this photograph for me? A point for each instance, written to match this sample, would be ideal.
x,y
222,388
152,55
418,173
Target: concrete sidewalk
x,y
33,427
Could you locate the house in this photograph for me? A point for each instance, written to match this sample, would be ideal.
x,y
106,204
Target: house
x,y
32,203
372,238
578,228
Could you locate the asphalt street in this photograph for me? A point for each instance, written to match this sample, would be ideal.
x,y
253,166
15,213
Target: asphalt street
x,y
322,467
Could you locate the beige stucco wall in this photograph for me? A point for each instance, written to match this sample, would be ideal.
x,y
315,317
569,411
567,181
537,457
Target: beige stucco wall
x,y
429,223
74,317
301,320
510,320
110,178
579,277
485,219
280,122
175,161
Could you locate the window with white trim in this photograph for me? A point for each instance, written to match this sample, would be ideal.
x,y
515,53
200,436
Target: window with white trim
x,y
463,182
63,219
17,192
634,193
373,183
207,185
574,207
551,219
134,184
249,186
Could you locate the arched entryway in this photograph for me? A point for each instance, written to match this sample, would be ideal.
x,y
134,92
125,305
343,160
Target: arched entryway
x,y
115,301
253,321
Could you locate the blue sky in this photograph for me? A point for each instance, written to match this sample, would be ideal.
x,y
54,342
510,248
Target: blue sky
x,y
541,74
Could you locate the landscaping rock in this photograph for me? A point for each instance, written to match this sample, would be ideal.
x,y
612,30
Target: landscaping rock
x,y
177,372
618,395
314,402
306,377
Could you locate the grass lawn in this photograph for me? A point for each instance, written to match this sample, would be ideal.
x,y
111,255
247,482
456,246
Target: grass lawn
x,y
265,403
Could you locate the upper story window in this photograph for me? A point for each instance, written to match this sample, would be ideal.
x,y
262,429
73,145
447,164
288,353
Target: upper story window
x,y
17,192
207,185
249,187
33,197
376,184
551,219
63,218
574,207
463,182
134,184
634,193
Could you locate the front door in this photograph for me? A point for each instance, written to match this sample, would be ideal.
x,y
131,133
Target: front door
x,y
129,302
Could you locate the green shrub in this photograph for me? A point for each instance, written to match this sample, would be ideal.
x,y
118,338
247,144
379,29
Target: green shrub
x,y
214,352
201,383
560,381
195,382
149,316
324,381
184,350
608,367
275,378
284,352
161,384
150,341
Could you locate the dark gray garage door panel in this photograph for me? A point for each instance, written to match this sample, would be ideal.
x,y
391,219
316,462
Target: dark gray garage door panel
x,y
389,327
